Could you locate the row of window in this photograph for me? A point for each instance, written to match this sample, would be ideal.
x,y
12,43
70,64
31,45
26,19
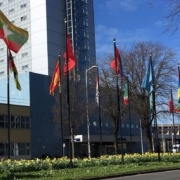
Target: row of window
x,y
20,122
106,124
22,6
24,67
16,149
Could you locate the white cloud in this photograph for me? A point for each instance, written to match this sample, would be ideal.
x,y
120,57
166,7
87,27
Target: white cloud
x,y
127,5
105,36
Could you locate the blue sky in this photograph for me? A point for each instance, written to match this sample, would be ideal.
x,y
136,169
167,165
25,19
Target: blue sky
x,y
129,21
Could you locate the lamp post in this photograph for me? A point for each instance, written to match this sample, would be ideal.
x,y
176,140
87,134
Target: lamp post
x,y
87,110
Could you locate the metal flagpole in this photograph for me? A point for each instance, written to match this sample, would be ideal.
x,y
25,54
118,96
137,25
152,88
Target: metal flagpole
x,y
130,132
68,101
118,102
60,104
154,112
142,149
173,119
99,107
8,107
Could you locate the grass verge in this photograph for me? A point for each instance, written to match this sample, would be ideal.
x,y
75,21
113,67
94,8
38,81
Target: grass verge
x,y
93,172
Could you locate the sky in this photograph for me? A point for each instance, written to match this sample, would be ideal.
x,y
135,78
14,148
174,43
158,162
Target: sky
x,y
129,21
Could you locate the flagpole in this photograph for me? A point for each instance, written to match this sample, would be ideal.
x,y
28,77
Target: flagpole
x,y
8,106
68,102
118,102
154,112
99,108
60,103
173,119
129,112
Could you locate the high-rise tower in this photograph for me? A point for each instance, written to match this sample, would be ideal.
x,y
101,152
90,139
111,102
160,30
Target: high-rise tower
x,y
44,20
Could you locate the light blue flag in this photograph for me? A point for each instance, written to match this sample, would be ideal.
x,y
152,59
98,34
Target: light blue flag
x,y
147,83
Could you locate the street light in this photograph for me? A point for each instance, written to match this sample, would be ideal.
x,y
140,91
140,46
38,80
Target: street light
x,y
88,132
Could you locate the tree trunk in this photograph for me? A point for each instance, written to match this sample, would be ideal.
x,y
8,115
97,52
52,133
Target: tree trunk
x,y
149,139
115,143
72,142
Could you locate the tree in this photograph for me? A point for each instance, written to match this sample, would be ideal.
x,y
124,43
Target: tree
x,y
134,64
109,98
76,106
173,16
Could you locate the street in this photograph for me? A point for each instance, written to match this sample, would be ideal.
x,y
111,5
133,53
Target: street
x,y
166,175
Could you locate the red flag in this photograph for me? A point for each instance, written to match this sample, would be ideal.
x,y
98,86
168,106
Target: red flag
x,y
55,79
171,105
117,63
71,60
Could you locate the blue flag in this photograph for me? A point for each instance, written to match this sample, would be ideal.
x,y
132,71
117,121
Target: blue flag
x,y
147,83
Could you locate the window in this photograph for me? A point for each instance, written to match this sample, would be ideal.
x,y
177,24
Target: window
x,y
24,54
1,121
25,67
24,148
22,122
2,149
11,11
23,18
1,3
1,73
15,121
23,6
25,122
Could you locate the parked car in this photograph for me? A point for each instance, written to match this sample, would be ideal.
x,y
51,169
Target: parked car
x,y
175,148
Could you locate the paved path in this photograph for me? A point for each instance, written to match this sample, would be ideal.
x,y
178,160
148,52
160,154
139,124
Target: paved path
x,y
166,175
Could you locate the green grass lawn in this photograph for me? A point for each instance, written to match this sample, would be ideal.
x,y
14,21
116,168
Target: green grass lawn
x,y
91,172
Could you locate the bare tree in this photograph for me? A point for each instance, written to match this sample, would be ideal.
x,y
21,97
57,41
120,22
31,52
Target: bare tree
x,y
173,16
109,98
135,62
76,107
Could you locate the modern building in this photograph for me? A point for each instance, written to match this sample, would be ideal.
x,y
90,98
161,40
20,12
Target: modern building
x,y
168,135
45,22
32,131
35,62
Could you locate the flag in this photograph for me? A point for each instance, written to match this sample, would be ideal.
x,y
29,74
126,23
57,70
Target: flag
x,y
71,60
126,93
148,85
178,85
171,105
97,89
55,79
116,65
13,69
13,36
